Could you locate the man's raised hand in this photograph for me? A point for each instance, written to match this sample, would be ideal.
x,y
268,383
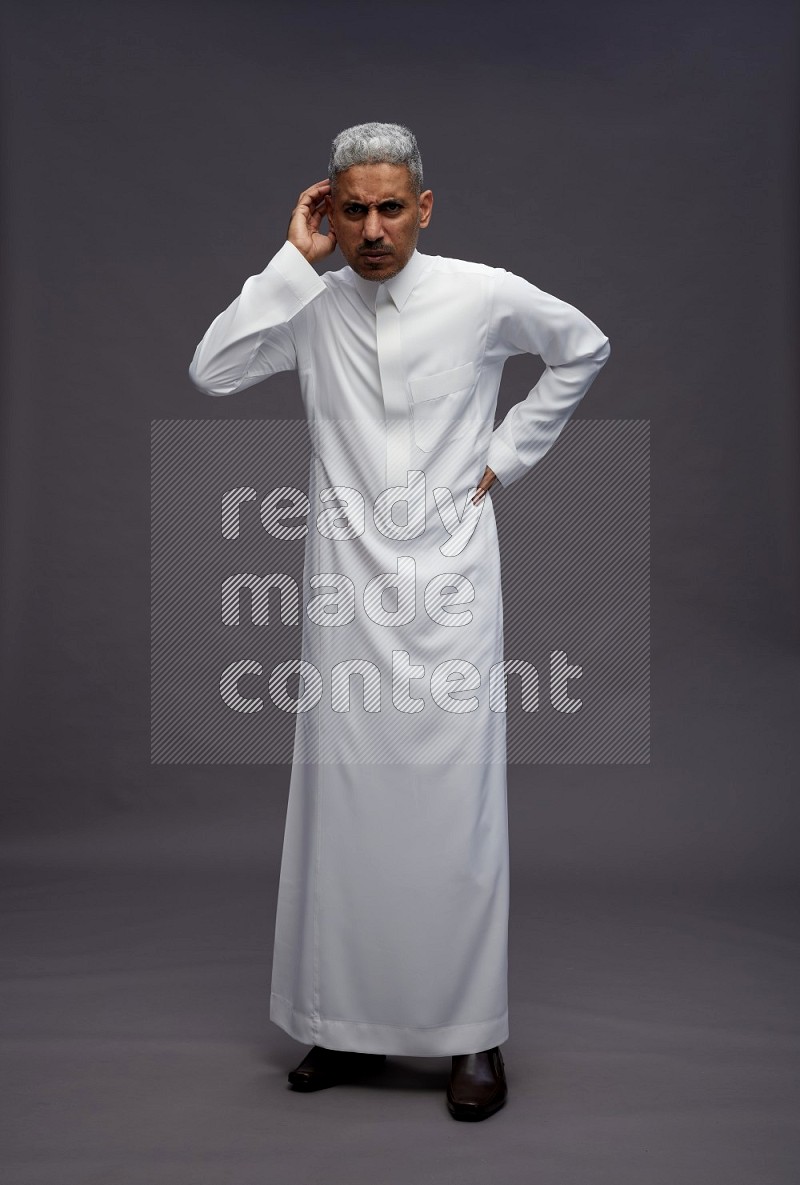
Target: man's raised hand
x,y
303,229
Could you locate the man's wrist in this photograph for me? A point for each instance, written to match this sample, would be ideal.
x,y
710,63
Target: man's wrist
x,y
299,274
299,249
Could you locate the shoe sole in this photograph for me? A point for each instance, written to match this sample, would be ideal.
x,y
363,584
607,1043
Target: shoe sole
x,y
469,1114
322,1082
306,1086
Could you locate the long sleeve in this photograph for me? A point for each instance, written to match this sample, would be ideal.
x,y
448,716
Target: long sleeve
x,y
253,337
527,320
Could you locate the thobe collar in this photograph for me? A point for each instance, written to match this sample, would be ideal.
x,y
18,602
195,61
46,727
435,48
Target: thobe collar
x,y
399,286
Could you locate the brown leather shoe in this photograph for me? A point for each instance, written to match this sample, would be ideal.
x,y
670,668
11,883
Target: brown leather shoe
x,y
323,1067
477,1086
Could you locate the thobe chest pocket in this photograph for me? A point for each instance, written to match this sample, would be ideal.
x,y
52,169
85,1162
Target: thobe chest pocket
x,y
442,408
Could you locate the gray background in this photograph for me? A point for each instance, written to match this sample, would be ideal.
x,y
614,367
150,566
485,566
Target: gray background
x,y
636,160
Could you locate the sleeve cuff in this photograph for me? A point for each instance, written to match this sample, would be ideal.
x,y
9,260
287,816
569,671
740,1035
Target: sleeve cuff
x,y
304,281
504,461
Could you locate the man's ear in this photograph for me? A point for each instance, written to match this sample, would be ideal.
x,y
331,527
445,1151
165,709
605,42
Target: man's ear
x,y
328,205
425,207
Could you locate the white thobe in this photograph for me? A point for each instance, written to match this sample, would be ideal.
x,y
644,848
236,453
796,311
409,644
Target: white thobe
x,y
392,919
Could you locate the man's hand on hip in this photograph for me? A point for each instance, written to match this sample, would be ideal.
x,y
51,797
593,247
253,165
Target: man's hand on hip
x,y
486,482
303,230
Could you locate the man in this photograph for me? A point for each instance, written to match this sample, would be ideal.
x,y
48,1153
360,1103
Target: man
x,y
392,921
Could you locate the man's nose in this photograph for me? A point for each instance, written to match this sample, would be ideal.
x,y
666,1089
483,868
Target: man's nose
x,y
373,226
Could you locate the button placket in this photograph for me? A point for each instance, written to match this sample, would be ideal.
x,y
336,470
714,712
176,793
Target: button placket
x,y
397,413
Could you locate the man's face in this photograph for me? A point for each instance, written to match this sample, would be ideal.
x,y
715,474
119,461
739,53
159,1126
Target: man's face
x,y
377,217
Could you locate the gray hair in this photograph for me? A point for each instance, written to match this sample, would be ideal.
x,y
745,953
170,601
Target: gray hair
x,y
376,143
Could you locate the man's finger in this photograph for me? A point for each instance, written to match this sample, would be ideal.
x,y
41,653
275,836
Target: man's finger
x,y
486,482
314,189
309,206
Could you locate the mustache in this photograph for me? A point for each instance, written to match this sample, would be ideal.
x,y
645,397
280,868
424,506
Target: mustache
x,y
374,250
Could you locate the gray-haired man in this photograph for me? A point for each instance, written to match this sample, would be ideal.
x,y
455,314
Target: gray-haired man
x,y
392,921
